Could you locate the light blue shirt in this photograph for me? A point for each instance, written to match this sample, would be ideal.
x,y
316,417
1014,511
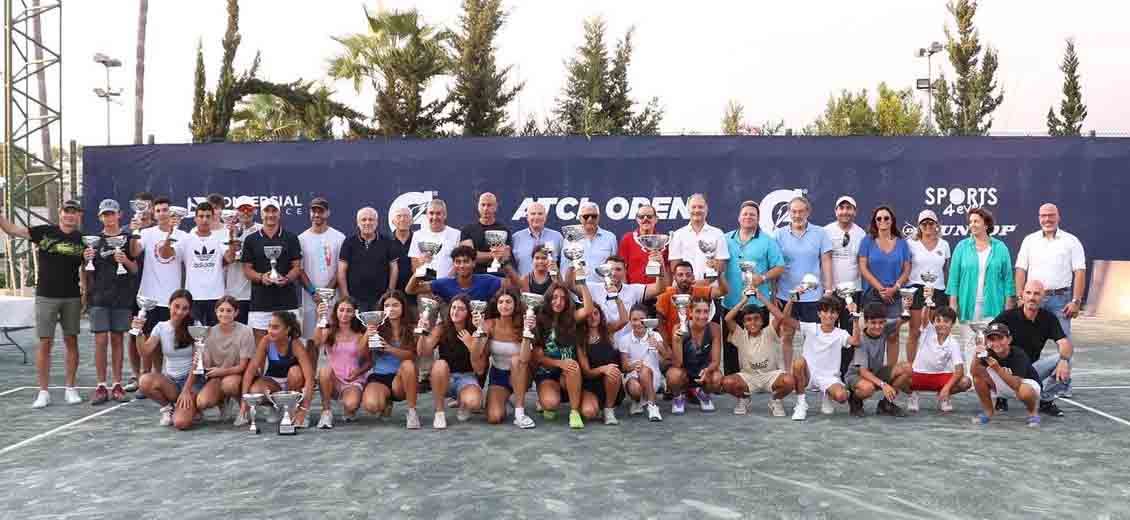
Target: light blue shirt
x,y
597,250
765,254
802,256
524,242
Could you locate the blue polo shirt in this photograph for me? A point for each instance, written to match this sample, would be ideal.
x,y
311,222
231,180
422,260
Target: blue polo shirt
x,y
765,255
597,250
483,287
524,243
802,256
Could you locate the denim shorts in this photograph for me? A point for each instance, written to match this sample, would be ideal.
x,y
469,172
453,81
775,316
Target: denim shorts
x,y
106,319
458,380
500,378
196,386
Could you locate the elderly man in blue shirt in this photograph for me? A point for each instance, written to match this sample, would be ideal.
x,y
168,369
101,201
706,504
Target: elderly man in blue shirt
x,y
599,243
807,250
534,237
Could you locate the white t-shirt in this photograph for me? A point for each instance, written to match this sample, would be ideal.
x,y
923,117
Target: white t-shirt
x,y
161,276
1051,261
684,246
639,348
319,262
203,261
630,294
238,285
845,259
449,237
924,260
822,349
757,355
934,358
178,361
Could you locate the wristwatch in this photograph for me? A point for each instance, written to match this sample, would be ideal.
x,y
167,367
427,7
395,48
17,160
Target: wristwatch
x,y
1076,301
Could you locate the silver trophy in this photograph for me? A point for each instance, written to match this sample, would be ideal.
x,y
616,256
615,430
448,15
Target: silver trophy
x,y
808,282
907,294
92,242
139,207
495,238
327,295
611,287
551,254
650,324
653,244
428,308
145,305
177,213
478,307
532,301
429,249
288,403
230,218
749,271
273,253
708,248
574,249
252,401
928,287
682,305
198,333
118,243
845,290
978,328
373,318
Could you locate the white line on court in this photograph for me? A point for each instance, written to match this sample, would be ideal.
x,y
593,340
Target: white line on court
x,y
1094,411
890,513
17,389
61,428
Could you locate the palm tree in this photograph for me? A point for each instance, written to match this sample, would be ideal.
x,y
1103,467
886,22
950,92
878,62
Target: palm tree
x,y
284,117
139,74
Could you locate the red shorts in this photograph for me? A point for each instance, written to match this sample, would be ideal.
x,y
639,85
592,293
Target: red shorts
x,y
930,382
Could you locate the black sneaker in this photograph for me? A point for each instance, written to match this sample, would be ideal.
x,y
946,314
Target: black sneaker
x,y
1002,404
1049,408
855,407
886,407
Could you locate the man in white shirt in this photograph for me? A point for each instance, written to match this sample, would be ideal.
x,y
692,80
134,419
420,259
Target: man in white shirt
x,y
206,252
685,241
846,236
321,245
163,247
629,293
1055,258
437,230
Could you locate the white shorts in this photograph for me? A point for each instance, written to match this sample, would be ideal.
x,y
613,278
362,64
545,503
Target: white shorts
x,y
657,380
761,382
260,320
1003,390
823,382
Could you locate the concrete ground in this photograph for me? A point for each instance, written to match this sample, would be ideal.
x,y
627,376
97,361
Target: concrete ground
x,y
115,461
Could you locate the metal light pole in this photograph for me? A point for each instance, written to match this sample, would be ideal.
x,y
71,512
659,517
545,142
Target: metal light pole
x,y
108,93
928,53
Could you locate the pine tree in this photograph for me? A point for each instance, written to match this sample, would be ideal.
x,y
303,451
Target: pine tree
x,y
966,106
1071,108
479,95
732,115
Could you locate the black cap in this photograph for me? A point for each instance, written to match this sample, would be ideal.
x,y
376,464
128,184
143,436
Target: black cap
x,y
997,329
320,202
72,204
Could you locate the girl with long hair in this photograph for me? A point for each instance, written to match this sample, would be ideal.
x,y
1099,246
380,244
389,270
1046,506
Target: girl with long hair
x,y
459,361
281,364
344,378
175,387
600,365
509,356
555,351
229,347
394,376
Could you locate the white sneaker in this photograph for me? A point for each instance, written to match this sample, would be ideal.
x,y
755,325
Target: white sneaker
x,y
635,408
524,421
742,407
70,395
705,403
440,421
273,415
800,411
653,413
945,405
450,402
610,417
166,415
462,414
42,399
326,422
413,421
826,406
912,402
241,419
776,408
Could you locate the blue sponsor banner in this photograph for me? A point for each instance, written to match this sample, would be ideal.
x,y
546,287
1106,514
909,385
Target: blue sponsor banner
x,y
1087,178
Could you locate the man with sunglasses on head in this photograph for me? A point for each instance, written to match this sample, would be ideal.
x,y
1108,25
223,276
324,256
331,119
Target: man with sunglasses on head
x,y
634,255
846,236
237,284
599,243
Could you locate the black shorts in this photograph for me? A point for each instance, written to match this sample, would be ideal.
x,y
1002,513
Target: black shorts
x,y
244,310
153,317
803,311
845,315
941,299
384,379
596,386
547,374
204,311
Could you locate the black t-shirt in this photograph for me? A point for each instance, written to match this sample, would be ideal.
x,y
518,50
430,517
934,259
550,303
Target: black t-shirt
x,y
476,233
1029,335
1018,363
108,288
266,298
367,274
403,262
456,355
59,256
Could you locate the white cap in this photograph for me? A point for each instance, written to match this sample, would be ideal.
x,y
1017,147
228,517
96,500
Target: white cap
x,y
270,202
847,199
244,200
926,215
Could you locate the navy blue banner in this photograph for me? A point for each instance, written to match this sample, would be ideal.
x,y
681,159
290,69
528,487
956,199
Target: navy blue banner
x,y
1087,178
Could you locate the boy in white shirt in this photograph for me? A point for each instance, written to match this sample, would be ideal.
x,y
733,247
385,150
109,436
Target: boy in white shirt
x,y
939,366
759,355
819,367
206,252
641,351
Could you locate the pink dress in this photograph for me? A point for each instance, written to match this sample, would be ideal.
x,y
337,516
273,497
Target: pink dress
x,y
344,360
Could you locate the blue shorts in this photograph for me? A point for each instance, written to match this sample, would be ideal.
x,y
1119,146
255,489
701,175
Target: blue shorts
x,y
500,378
457,381
196,386
803,311
547,374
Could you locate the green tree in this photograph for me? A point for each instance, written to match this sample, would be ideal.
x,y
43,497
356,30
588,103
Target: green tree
x,y
895,112
399,57
269,117
966,106
733,122
1071,108
480,95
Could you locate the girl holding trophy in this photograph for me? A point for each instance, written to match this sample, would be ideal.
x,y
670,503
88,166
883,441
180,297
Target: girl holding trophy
x,y
281,363
174,388
344,378
460,360
555,351
229,345
509,356
394,376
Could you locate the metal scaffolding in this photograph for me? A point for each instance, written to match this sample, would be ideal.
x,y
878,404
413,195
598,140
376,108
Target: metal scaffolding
x,y
32,177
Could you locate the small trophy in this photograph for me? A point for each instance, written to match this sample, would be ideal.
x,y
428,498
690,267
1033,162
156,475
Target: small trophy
x,y
146,305
273,253
478,307
978,328
928,287
92,242
327,295
749,271
373,318
252,401
177,213
230,218
139,208
428,307
650,324
611,288
653,244
198,333
551,254
907,300
574,249
429,249
708,248
845,290
682,305
532,301
495,238
288,403
117,243
807,283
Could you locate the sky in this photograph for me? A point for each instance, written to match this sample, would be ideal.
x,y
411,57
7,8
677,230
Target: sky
x,y
781,60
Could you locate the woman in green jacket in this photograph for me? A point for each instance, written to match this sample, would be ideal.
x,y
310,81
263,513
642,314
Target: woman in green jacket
x,y
980,281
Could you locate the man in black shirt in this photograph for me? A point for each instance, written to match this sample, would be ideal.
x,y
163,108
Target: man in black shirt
x,y
402,238
1000,369
474,235
367,264
57,297
1032,326
270,293
110,297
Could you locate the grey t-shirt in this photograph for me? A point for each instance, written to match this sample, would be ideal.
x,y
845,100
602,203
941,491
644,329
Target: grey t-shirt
x,y
871,351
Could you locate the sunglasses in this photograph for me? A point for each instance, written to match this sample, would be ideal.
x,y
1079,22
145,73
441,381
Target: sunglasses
x,y
644,217
588,217
882,218
847,240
